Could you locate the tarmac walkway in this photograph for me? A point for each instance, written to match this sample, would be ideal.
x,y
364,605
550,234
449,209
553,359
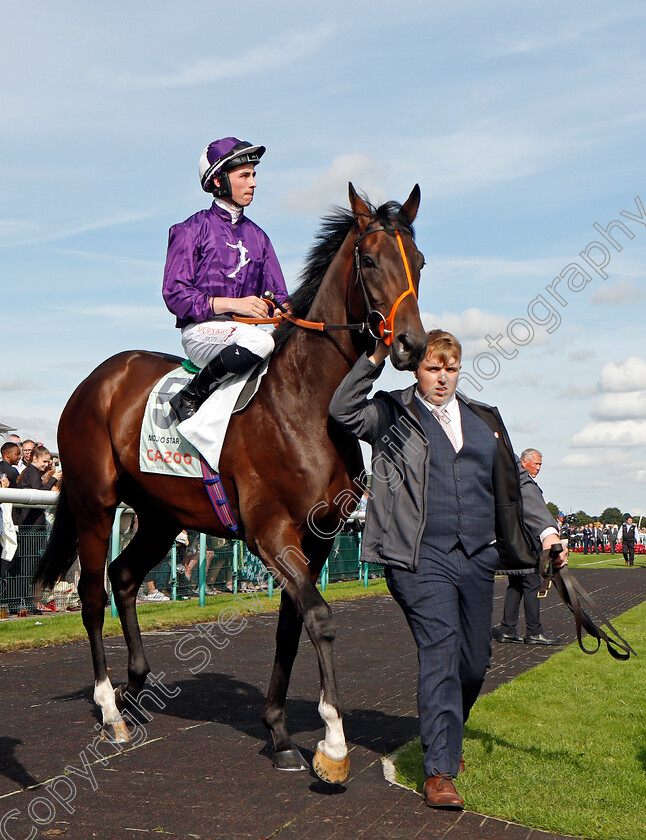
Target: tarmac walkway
x,y
203,770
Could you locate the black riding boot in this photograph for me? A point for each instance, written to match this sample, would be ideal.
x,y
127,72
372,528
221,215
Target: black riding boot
x,y
187,401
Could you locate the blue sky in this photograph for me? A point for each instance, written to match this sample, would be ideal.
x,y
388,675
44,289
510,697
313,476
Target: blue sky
x,y
524,125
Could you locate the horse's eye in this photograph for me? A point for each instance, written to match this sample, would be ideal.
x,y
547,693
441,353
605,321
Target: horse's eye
x,y
367,262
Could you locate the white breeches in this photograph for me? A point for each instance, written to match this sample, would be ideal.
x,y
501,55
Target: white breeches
x,y
202,342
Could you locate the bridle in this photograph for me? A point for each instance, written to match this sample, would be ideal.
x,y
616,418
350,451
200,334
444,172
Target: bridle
x,y
380,327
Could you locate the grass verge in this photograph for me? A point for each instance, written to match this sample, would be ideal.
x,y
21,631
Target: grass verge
x,y
562,747
577,560
56,629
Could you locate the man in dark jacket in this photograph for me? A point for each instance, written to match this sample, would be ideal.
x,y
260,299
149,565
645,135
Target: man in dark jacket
x,y
445,508
525,585
627,537
587,538
10,456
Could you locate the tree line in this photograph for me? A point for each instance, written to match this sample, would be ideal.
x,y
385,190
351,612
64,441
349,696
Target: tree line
x,y
610,516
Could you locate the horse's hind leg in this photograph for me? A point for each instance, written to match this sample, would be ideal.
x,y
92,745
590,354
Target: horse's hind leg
x,y
94,538
148,547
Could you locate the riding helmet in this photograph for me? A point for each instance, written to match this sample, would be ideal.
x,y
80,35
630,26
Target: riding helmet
x,y
220,157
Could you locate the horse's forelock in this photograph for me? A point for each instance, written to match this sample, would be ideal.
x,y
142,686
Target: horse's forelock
x,y
393,218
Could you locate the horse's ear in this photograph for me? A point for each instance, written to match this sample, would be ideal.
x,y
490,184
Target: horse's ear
x,y
360,209
411,205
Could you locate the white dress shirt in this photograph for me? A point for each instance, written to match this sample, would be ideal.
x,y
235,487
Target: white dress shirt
x,y
453,411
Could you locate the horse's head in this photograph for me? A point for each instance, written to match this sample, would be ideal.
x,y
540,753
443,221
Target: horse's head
x,y
387,270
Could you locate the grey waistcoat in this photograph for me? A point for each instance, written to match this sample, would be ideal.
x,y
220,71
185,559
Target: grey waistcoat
x,y
460,502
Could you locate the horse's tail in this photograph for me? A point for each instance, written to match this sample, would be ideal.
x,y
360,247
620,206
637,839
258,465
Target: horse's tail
x,y
60,551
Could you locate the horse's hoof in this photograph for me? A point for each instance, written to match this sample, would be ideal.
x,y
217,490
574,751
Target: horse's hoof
x,y
290,760
116,732
330,770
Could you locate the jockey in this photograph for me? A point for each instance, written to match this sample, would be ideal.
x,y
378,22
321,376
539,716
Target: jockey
x,y
220,263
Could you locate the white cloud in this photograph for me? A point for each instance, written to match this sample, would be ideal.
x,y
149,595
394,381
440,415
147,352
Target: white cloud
x,y
620,433
488,271
580,460
447,164
154,317
468,160
290,48
621,406
578,392
556,36
324,190
36,427
524,426
472,326
15,385
118,219
109,258
625,291
583,460
13,227
629,375
581,355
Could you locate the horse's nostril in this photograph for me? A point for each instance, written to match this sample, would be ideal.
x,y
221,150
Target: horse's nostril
x,y
405,342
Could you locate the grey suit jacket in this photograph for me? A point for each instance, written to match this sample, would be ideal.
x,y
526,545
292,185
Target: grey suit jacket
x,y
535,513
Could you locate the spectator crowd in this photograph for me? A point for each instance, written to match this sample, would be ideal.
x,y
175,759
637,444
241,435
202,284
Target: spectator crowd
x,y
596,538
24,465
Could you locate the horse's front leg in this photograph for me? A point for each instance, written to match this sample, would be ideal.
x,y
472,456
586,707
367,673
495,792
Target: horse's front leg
x,y
331,762
285,559
288,633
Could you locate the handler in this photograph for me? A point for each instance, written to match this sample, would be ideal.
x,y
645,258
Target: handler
x,y
220,263
445,501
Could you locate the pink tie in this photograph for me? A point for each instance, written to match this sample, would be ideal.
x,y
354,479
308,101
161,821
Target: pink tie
x,y
442,417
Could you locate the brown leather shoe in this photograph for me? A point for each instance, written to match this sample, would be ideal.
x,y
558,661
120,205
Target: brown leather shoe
x,y
461,765
440,792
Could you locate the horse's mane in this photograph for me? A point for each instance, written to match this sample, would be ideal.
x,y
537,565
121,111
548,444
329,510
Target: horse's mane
x,y
334,229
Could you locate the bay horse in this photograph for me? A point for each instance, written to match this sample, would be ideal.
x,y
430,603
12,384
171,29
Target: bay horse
x,y
287,468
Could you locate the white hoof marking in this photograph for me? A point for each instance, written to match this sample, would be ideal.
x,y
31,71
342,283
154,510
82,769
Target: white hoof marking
x,y
334,745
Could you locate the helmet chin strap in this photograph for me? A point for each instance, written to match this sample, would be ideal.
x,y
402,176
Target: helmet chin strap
x,y
223,192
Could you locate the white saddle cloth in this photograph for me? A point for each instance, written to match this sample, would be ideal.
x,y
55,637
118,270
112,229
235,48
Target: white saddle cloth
x,y
173,448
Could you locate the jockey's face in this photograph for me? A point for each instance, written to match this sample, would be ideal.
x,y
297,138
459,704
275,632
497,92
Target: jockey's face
x,y
436,379
243,184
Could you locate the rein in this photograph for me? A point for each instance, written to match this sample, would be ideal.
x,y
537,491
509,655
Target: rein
x,y
571,591
379,327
